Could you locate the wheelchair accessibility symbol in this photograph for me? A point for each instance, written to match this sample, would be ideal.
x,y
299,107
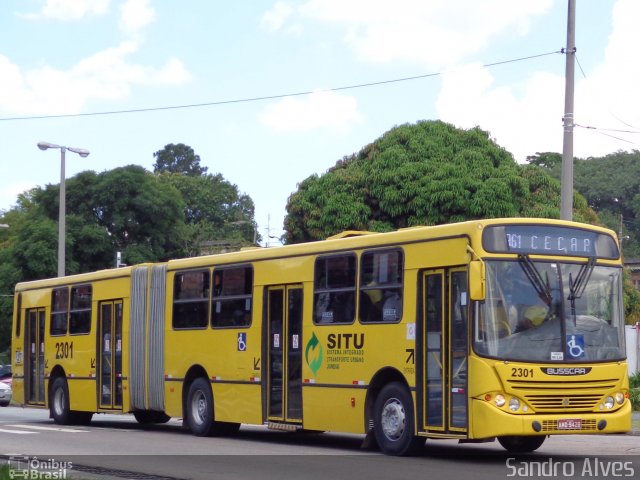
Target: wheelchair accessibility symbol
x,y
575,346
242,342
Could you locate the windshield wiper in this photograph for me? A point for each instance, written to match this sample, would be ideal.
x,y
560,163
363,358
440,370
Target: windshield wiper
x,y
577,286
532,273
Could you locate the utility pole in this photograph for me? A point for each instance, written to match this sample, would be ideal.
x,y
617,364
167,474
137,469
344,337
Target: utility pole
x,y
566,194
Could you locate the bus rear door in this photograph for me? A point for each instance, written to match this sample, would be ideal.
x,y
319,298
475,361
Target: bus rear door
x,y
34,358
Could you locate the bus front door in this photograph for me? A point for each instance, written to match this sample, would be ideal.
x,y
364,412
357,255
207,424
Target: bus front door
x,y
109,355
34,358
444,351
284,354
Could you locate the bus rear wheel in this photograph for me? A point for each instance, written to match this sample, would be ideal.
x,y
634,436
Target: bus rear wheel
x,y
59,408
394,421
520,444
199,408
59,402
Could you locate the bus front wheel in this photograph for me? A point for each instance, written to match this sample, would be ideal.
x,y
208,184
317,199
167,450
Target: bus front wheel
x,y
519,444
394,421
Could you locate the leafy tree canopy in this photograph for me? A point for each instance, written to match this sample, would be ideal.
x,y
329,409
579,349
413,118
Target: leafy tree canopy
x,y
178,158
147,217
213,209
423,174
611,186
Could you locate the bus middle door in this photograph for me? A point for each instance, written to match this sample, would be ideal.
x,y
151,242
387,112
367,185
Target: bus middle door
x,y
444,351
110,355
284,354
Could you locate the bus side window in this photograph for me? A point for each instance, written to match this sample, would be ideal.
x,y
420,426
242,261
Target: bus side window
x,y
334,289
190,299
59,311
80,311
232,297
381,283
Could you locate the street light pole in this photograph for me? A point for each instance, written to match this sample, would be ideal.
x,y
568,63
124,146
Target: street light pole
x,y
62,222
62,209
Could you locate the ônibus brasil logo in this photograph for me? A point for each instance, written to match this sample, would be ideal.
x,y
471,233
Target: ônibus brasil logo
x,y
313,354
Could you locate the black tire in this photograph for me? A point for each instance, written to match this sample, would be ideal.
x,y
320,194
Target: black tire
x,y
226,429
148,417
81,418
59,402
3,404
521,444
199,408
394,428
199,414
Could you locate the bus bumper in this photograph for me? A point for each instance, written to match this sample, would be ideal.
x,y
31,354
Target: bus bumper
x,y
489,421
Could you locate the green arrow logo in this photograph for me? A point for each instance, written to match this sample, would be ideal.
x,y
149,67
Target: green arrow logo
x,y
313,354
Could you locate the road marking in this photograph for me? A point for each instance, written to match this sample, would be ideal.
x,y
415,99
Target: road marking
x,y
51,429
15,431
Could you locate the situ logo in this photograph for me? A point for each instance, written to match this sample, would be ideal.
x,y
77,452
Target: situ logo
x,y
313,354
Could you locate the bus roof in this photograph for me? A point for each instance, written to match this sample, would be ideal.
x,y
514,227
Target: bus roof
x,y
348,240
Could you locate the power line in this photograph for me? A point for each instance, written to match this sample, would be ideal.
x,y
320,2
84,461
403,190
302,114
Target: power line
x,y
266,97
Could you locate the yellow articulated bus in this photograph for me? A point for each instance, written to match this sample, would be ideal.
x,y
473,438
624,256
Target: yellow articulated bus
x,y
505,328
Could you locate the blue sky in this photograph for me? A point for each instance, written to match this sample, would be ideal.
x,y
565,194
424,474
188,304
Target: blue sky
x,y
69,57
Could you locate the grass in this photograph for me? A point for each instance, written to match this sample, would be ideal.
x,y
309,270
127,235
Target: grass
x,y
4,472
634,390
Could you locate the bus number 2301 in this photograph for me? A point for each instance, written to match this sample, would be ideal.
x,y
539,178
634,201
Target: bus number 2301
x,y
64,350
522,372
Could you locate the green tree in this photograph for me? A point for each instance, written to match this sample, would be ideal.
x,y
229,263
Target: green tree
x,y
214,209
147,217
611,185
551,161
423,174
178,158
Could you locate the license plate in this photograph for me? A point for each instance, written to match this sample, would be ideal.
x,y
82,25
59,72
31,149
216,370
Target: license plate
x,y
570,424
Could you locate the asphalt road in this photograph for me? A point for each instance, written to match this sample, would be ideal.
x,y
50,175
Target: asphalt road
x,y
115,446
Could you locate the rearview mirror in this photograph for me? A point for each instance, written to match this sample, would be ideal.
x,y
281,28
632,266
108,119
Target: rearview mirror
x,y
476,280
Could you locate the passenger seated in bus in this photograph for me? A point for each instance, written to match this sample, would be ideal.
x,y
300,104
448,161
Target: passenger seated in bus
x,y
323,311
532,317
392,307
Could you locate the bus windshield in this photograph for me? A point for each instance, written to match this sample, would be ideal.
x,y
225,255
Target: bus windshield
x,y
550,311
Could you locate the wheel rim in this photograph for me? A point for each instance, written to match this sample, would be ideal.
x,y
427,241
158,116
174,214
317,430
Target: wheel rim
x,y
393,419
199,407
59,401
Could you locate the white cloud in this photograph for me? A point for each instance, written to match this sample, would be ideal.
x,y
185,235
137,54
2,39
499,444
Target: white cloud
x,y
609,97
523,124
135,15
527,118
106,75
274,19
431,32
9,194
318,110
70,10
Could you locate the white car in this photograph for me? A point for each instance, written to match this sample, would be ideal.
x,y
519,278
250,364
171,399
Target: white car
x,y
5,393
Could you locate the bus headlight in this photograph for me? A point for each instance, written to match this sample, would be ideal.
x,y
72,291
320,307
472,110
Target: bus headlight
x,y
499,400
608,402
514,404
619,398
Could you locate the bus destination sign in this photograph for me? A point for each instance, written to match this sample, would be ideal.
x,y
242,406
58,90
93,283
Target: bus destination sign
x,y
549,240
